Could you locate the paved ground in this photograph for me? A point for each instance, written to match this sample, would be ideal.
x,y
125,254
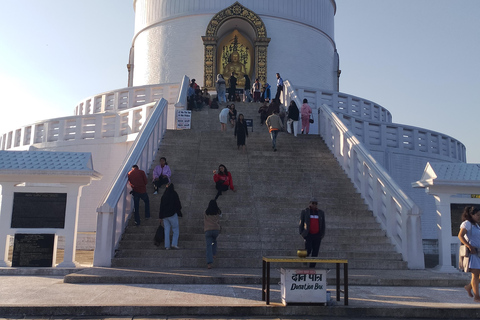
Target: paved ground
x,y
439,296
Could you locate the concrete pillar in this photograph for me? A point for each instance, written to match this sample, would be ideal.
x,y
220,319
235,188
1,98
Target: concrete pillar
x,y
444,225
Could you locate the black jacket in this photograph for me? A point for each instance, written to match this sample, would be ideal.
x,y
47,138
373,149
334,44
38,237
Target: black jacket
x,y
169,205
293,113
304,225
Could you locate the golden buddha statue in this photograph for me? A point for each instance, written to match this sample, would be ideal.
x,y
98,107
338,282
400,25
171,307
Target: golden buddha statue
x,y
237,67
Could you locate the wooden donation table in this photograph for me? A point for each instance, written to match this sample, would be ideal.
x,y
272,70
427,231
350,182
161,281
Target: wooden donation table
x,y
266,273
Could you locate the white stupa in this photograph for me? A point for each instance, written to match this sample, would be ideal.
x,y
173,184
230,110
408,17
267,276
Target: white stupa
x,y
173,38
203,38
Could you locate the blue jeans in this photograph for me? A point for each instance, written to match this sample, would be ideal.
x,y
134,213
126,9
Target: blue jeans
x,y
171,223
211,240
136,204
273,135
248,96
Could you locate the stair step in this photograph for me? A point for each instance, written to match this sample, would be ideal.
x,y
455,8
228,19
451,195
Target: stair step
x,y
261,218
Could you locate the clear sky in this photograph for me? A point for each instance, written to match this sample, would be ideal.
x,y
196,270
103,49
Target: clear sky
x,y
417,58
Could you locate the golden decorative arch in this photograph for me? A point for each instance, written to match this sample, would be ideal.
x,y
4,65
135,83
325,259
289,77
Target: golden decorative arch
x,y
210,42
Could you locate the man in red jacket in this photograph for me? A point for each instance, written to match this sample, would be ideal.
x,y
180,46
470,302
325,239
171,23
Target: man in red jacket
x,y
138,181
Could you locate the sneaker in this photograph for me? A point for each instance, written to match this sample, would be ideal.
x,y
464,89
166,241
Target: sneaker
x,y
275,149
175,247
209,266
167,248
155,192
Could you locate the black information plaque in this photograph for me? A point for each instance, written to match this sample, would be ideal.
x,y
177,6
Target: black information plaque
x,y
33,250
39,210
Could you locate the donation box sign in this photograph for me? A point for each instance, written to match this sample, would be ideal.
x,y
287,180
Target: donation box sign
x,y
303,286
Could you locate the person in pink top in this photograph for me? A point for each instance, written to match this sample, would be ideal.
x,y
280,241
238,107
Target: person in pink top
x,y
305,111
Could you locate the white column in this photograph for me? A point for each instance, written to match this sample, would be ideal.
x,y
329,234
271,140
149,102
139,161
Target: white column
x,y
71,225
104,241
6,193
444,225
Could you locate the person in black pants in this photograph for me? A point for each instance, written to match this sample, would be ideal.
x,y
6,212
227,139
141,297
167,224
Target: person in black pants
x,y
232,88
312,228
279,86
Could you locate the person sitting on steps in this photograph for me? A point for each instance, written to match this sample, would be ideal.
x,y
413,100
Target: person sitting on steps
x,y
223,180
161,174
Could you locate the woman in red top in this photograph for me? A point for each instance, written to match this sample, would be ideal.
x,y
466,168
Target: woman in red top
x,y
223,180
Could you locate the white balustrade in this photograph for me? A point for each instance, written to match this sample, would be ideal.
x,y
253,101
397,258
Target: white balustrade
x,y
397,214
116,205
112,114
126,98
379,136
393,209
342,103
78,128
372,125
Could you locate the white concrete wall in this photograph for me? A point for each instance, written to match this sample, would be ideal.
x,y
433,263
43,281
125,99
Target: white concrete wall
x,y
168,40
107,157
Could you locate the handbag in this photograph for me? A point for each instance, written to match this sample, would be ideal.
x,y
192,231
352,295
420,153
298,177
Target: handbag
x,y
463,258
159,236
311,120
464,252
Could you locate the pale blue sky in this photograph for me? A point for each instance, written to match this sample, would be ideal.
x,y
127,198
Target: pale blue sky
x,y
417,58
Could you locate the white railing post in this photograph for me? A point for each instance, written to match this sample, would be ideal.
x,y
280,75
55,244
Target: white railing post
x,y
105,237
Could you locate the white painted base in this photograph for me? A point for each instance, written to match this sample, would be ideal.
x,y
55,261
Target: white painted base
x,y
445,269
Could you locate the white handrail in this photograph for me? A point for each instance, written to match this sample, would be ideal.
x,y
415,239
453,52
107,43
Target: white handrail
x,y
116,206
393,209
398,215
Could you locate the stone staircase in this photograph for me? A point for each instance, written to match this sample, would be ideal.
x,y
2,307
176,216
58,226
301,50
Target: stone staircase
x,y
261,218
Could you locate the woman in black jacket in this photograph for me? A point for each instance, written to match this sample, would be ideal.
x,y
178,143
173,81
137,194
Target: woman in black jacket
x,y
293,117
241,132
170,210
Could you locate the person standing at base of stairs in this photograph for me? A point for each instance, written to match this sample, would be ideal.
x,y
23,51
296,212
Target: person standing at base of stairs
x,y
274,124
312,228
469,236
138,181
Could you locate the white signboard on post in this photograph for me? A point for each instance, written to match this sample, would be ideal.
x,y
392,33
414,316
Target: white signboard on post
x,y
303,286
184,119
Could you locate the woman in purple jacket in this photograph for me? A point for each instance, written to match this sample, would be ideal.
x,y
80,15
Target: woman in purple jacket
x,y
161,174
